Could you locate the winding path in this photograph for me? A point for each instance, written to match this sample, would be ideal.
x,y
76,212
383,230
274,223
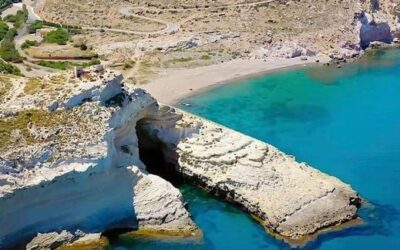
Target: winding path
x,y
229,6
22,36
170,27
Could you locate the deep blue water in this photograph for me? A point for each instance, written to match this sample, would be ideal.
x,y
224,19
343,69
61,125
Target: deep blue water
x,y
345,122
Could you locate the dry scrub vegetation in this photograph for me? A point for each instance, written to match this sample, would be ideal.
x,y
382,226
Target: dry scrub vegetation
x,y
226,29
94,13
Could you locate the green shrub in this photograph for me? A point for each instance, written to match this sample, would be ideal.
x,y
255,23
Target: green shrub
x,y
10,54
180,60
83,47
25,118
59,36
10,18
64,65
7,49
7,68
55,64
35,26
11,33
3,30
65,26
92,62
129,64
4,3
28,43
18,19
205,57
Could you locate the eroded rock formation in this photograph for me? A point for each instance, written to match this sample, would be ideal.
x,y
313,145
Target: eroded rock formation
x,y
291,199
374,30
80,167
379,21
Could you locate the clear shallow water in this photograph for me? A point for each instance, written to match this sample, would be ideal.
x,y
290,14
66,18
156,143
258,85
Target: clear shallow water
x,y
345,122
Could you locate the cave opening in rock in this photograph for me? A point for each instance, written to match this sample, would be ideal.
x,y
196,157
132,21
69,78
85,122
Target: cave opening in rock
x,y
152,152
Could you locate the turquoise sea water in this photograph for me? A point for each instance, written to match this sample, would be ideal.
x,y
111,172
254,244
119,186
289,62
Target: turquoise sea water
x,y
345,122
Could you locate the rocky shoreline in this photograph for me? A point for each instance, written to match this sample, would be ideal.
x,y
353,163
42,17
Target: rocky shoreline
x,y
371,28
84,165
84,157
290,199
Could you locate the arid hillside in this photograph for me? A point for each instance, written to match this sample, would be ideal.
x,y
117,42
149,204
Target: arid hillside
x,y
154,35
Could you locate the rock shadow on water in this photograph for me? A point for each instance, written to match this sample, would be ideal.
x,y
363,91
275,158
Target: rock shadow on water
x,y
377,220
297,113
332,75
373,59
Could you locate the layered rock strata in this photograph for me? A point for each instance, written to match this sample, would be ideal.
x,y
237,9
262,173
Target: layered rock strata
x,y
378,21
374,29
54,240
291,199
80,167
153,193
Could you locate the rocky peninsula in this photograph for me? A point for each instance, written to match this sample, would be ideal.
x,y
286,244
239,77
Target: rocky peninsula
x,y
81,157
85,158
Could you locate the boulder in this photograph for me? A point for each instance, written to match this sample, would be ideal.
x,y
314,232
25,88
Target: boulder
x,y
159,206
50,241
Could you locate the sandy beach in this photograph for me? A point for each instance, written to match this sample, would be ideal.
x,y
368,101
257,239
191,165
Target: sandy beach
x,y
174,85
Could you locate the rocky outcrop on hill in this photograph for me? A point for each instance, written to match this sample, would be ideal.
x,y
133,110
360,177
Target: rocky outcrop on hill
x,y
165,45
286,50
85,167
379,21
374,29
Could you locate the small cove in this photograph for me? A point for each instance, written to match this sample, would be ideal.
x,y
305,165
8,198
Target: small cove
x,y
345,122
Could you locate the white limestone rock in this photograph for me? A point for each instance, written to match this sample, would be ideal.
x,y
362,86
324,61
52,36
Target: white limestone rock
x,y
174,44
286,50
160,206
54,240
292,199
79,173
50,241
84,171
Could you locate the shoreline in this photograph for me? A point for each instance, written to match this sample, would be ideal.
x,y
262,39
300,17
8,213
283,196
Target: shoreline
x,y
177,84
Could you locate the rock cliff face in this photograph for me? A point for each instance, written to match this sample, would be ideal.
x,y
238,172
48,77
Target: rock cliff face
x,y
159,206
81,166
291,199
379,21
374,30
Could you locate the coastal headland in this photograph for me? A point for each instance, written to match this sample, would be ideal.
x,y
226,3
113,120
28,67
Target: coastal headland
x,y
123,142
99,150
